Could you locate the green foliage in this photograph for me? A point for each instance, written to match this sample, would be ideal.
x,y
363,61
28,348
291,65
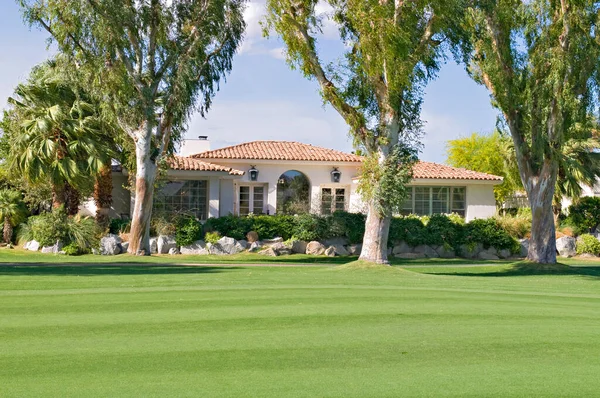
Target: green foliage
x,y
518,225
231,226
588,244
442,230
71,249
48,228
309,227
349,225
163,224
489,233
584,215
189,230
212,237
409,229
119,225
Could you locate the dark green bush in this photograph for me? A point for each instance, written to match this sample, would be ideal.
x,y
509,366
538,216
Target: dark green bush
x,y
409,229
118,225
310,227
584,215
231,226
349,225
442,230
489,233
269,227
71,249
588,244
188,231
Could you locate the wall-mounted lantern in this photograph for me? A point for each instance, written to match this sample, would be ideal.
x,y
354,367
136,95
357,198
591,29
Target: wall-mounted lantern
x,y
253,172
336,175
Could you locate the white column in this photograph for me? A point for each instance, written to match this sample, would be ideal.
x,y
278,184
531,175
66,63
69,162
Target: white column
x,y
214,188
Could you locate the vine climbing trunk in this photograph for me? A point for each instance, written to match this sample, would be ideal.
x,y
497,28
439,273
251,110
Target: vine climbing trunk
x,y
146,169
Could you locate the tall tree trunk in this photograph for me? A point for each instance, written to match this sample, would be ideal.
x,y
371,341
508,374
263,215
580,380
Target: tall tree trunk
x,y
58,196
72,199
8,230
375,240
139,238
540,191
103,195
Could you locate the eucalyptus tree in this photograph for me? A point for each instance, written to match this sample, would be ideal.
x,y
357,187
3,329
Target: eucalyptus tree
x,y
539,60
156,60
392,49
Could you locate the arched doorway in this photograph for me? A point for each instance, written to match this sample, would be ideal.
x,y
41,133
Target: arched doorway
x,y
293,193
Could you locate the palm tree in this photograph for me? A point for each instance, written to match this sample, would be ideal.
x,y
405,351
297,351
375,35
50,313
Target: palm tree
x,y
12,211
61,136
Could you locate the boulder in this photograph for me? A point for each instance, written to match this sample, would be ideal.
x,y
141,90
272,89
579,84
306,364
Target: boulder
x,y
337,241
269,242
355,249
426,250
153,245
486,255
315,248
330,251
524,249
299,246
173,251
410,256
252,236
196,248
254,247
110,245
470,251
565,246
226,245
268,252
281,249
165,243
32,245
243,243
340,250
124,247
400,248
504,253
55,249
445,251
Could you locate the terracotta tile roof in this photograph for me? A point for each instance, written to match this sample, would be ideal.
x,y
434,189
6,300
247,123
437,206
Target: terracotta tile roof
x,y
190,164
428,170
278,150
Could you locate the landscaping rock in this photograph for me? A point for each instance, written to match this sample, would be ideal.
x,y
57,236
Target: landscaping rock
x,y
315,248
486,255
337,241
426,250
330,251
524,250
299,246
269,242
281,249
225,246
124,247
197,248
409,256
110,245
504,253
243,243
445,251
165,243
340,250
565,246
173,251
400,248
153,245
32,245
355,249
55,249
470,251
255,246
269,252
252,236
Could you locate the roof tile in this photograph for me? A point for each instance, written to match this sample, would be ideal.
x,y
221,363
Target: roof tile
x,y
191,164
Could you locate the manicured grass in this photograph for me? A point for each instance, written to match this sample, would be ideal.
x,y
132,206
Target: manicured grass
x,y
164,330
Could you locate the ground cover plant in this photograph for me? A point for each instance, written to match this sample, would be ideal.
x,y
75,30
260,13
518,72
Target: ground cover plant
x,y
142,330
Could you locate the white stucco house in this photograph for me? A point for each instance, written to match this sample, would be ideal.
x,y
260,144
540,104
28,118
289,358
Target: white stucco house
x,y
256,177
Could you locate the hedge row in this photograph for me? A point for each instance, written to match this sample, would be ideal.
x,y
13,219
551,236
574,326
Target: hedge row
x,y
437,230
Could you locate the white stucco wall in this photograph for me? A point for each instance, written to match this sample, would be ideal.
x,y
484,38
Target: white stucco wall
x,y
120,199
480,201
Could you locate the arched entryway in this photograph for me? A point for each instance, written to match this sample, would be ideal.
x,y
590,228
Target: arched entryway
x,y
293,193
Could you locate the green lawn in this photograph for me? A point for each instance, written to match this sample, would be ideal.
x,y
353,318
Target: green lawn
x,y
425,330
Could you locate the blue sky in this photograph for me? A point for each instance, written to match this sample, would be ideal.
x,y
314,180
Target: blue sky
x,y
263,99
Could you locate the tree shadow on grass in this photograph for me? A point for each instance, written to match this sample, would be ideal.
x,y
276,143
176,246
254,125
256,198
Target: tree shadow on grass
x,y
525,268
41,269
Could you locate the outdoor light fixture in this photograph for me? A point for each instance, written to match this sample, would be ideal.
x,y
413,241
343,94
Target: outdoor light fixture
x,y
336,175
253,173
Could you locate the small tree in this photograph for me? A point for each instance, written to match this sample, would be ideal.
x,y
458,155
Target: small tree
x,y
393,49
539,60
156,60
12,212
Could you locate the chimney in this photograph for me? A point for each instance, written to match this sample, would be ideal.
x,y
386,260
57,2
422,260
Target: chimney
x,y
194,146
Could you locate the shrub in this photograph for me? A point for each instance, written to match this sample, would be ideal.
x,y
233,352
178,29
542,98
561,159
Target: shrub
x,y
118,226
409,229
269,227
189,230
518,225
349,225
309,227
212,237
588,244
71,249
232,226
163,224
585,214
490,233
441,230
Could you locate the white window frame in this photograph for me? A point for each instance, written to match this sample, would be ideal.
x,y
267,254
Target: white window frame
x,y
449,200
333,187
251,199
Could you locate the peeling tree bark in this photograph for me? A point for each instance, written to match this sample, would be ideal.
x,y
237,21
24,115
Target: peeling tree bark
x,y
377,229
